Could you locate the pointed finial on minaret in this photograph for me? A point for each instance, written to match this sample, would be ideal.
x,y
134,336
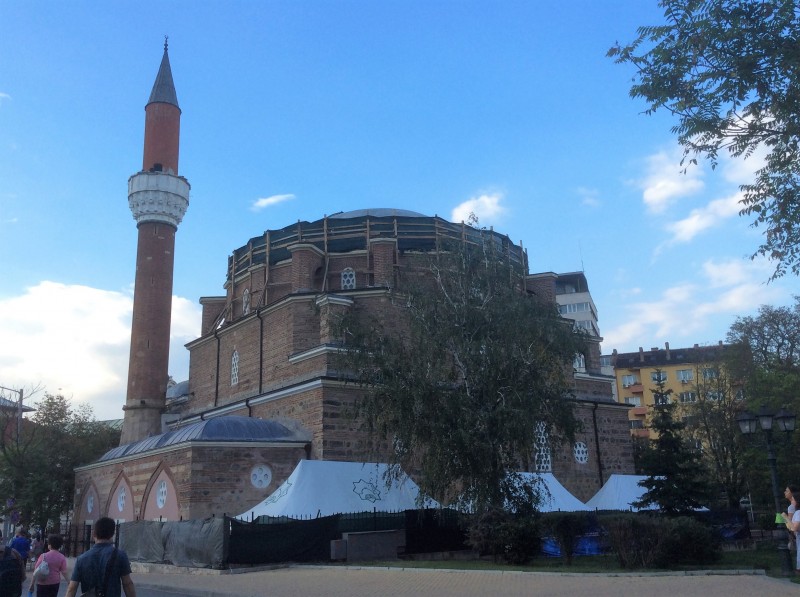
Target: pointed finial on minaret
x,y
166,42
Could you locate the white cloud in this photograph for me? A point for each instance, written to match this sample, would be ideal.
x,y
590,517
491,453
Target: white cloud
x,y
720,274
4,96
263,202
685,312
75,340
665,181
486,207
742,170
703,218
589,197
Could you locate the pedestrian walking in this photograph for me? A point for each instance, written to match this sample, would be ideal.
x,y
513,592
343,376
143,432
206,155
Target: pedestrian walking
x,y
47,586
104,567
20,543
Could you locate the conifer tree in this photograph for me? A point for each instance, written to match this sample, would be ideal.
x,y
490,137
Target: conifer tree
x,y
675,480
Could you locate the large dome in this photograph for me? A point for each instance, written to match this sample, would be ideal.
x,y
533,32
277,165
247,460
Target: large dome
x,y
378,212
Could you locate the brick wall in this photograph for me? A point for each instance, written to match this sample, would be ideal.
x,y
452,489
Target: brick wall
x,y
209,480
609,440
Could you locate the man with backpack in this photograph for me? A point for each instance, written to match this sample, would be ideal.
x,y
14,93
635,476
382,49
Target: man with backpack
x,y
12,572
104,567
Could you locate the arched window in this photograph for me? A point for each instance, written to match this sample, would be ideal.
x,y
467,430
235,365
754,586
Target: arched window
x,y
579,363
246,301
235,368
348,278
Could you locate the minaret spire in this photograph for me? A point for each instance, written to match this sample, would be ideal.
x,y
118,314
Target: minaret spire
x,y
158,199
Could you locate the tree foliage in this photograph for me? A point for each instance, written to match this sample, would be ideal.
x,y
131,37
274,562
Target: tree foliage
x,y
37,466
458,376
675,480
711,424
729,70
768,363
770,345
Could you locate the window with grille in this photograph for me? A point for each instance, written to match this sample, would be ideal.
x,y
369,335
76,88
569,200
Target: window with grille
x,y
235,368
246,301
543,460
348,278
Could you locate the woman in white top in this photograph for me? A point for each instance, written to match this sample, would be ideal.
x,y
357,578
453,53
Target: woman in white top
x,y
793,523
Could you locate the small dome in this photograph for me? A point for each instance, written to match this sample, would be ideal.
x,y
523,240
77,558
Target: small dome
x,y
218,429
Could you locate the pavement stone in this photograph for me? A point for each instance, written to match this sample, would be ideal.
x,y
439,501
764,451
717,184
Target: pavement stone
x,y
355,581
365,581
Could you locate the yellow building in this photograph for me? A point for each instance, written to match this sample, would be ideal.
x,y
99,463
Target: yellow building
x,y
637,375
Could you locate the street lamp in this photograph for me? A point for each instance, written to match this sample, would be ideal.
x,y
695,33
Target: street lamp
x,y
785,422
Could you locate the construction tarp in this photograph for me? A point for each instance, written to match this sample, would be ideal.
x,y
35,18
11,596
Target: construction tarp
x,y
555,497
194,543
619,493
324,487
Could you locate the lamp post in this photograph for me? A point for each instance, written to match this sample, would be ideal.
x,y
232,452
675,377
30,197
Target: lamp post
x,y
766,420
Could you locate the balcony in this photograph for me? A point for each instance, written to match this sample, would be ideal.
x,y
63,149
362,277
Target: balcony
x,y
643,433
638,411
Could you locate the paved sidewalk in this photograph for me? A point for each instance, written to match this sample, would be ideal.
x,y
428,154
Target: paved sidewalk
x,y
353,581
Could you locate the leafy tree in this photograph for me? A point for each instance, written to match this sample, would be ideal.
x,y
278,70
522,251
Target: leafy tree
x,y
460,374
36,467
768,362
769,344
728,70
711,424
675,476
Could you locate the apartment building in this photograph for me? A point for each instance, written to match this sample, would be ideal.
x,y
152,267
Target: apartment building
x,y
638,373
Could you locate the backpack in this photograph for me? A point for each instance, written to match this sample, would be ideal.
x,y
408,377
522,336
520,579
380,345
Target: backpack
x,y
11,576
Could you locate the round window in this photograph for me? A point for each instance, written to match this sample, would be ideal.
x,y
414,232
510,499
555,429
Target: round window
x,y
581,453
161,496
261,476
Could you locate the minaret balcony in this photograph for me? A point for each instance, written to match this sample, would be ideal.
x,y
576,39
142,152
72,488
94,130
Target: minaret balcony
x,y
158,197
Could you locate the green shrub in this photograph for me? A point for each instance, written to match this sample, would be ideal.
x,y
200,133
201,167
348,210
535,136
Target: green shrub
x,y
512,537
687,542
634,538
566,528
651,541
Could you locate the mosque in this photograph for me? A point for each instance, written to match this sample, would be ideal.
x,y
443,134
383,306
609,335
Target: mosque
x,y
263,392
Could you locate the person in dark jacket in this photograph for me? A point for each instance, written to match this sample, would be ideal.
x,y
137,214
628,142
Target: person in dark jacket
x,y
90,567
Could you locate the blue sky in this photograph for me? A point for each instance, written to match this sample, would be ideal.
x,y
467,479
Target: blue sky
x,y
297,109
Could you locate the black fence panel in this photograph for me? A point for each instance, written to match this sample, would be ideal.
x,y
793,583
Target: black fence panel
x,y
293,541
433,530
363,522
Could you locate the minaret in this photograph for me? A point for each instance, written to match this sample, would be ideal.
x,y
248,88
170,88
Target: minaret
x,y
158,199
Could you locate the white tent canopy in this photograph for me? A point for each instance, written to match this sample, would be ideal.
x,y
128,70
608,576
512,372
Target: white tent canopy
x,y
325,487
555,497
618,493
